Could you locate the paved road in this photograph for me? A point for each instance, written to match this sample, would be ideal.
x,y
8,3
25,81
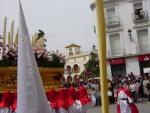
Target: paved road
x,y
144,107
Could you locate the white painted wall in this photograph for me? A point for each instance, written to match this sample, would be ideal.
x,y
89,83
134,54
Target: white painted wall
x,y
132,65
125,9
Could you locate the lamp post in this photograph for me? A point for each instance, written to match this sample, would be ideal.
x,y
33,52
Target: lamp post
x,y
130,37
93,48
130,34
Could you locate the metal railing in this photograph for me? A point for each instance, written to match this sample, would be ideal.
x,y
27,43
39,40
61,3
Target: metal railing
x,y
116,52
143,49
110,1
141,16
112,21
134,0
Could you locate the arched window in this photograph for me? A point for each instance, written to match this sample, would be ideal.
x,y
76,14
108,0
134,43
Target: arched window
x,y
68,69
75,68
70,53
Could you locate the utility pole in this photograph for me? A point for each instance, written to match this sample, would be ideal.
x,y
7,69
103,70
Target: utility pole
x,y
102,54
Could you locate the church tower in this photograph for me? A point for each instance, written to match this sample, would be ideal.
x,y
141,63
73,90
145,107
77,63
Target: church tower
x,y
73,50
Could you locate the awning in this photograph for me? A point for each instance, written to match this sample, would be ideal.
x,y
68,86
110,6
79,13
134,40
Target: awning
x,y
117,61
143,58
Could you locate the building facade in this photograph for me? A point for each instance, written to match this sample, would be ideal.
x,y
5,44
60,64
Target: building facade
x,y
75,60
127,36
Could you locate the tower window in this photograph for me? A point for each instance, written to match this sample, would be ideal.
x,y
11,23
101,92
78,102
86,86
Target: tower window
x,y
70,49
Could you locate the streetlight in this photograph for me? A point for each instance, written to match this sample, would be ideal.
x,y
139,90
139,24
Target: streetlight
x,y
130,34
94,48
92,6
130,37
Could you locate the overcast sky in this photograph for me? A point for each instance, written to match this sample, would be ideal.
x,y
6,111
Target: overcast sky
x,y
63,21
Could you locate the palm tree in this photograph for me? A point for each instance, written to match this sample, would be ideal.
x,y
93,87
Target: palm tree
x,y
41,35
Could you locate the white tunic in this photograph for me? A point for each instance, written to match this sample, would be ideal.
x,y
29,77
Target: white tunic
x,y
124,106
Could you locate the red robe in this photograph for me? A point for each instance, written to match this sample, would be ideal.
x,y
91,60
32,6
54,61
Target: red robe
x,y
124,102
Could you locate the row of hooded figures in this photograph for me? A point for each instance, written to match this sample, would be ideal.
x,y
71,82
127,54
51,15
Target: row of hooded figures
x,y
65,100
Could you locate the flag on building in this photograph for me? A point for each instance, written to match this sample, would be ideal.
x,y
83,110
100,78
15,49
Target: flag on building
x,y
31,96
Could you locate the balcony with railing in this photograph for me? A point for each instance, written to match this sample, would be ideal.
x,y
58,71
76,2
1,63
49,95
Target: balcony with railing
x,y
116,52
112,21
140,16
134,0
143,49
110,1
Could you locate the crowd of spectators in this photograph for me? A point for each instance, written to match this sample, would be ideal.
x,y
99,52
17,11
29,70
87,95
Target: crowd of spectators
x,y
139,87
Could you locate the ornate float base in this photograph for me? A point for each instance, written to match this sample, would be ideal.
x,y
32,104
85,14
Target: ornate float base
x,y
50,77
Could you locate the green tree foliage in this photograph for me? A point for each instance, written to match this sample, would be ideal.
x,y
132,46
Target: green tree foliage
x,y
92,65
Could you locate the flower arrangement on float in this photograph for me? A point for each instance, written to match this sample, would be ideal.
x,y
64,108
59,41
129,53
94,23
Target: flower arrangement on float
x,y
43,57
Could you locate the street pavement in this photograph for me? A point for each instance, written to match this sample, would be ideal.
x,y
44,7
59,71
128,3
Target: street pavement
x,y
144,107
